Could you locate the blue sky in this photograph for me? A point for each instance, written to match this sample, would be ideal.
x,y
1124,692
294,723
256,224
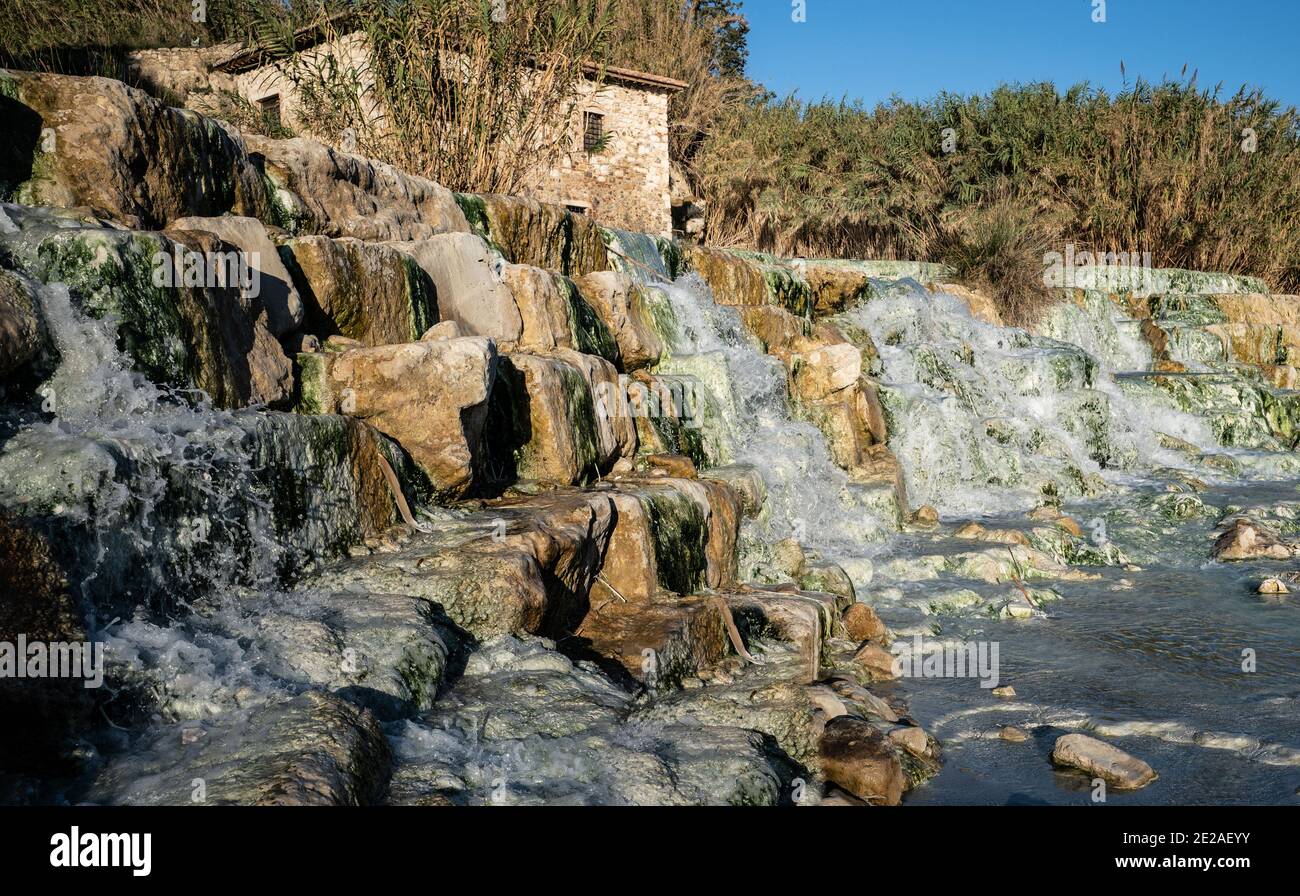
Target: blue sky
x,y
916,48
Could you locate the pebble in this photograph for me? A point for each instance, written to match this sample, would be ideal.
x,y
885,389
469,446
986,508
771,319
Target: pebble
x,y
1004,691
1012,734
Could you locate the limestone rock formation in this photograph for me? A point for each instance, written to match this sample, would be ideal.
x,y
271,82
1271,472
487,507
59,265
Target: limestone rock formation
x,y
467,276
312,750
273,285
317,189
555,314
97,143
529,232
183,315
22,334
369,292
856,757
622,304
430,396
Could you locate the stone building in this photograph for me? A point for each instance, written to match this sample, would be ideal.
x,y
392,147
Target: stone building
x,y
616,167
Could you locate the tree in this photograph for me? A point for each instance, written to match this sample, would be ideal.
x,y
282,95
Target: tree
x,y
732,31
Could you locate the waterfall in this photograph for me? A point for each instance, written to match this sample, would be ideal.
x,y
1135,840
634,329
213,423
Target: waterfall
x,y
986,417
151,488
808,496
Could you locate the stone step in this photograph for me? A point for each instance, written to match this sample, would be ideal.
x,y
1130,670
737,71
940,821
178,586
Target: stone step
x,y
369,292
312,750
528,232
531,564
179,325
660,641
431,396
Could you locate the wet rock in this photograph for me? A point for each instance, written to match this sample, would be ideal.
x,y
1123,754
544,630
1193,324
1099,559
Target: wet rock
x,y
748,483
36,603
855,756
326,484
803,619
875,660
97,143
826,700
386,652
732,279
543,420
835,287
826,370
913,740
1245,540
317,189
1273,586
776,329
284,308
313,750
467,277
862,624
659,641
925,517
980,305
671,465
429,396
675,535
525,725
285,491
758,700
823,575
1005,691
369,292
978,532
22,331
1117,768
676,414
1012,734
616,430
861,701
521,566
750,279
788,556
178,332
529,232
624,306
664,540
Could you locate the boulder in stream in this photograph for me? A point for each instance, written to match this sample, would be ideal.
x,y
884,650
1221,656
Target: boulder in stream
x,y
1117,768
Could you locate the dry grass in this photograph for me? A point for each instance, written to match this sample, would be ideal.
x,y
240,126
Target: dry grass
x,y
443,90
1157,168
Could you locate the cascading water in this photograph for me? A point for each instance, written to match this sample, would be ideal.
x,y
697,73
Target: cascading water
x,y
156,484
989,422
807,494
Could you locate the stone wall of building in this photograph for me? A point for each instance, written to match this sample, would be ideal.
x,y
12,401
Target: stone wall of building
x,y
625,183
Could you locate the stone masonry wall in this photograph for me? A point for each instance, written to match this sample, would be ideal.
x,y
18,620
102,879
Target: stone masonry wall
x,y
624,184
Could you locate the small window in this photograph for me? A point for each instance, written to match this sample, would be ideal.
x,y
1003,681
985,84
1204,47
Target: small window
x,y
593,131
270,106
